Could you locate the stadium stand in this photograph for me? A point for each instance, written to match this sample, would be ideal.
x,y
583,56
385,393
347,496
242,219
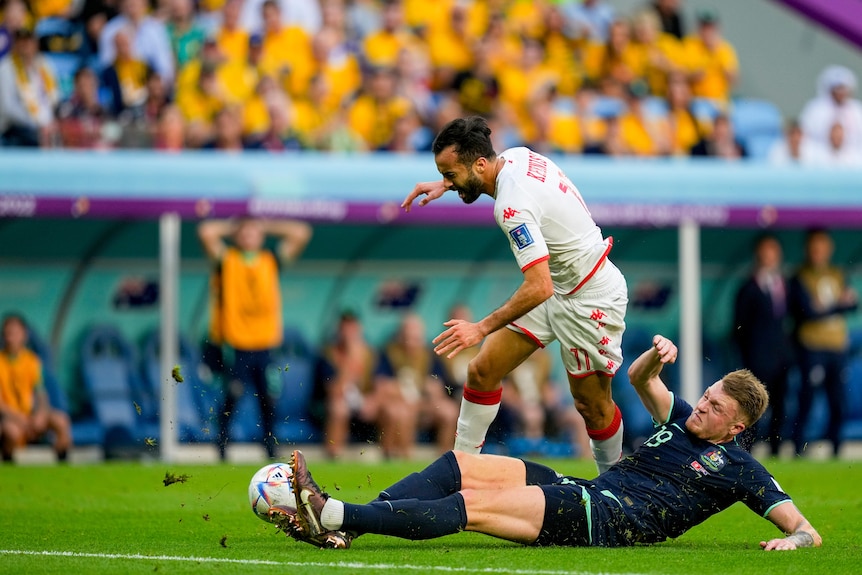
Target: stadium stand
x,y
109,371
193,397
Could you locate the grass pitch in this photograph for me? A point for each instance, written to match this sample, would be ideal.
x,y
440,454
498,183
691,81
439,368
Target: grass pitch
x,y
121,518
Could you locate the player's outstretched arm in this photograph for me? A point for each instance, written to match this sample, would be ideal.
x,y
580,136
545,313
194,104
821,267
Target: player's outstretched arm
x,y
799,531
644,376
431,191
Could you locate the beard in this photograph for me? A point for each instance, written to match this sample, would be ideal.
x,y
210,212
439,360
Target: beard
x,y
472,189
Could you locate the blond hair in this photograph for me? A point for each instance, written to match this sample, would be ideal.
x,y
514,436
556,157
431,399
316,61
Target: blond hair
x,y
749,393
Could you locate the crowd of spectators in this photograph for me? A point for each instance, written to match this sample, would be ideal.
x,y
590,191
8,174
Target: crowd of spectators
x,y
568,76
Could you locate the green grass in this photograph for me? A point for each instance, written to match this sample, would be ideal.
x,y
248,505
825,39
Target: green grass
x,y
124,509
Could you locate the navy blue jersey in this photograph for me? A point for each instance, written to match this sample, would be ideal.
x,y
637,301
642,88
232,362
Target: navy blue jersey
x,y
673,482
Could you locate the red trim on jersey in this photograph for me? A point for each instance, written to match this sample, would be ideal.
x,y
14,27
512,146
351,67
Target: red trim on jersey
x,y
595,267
609,431
483,397
534,262
589,373
529,334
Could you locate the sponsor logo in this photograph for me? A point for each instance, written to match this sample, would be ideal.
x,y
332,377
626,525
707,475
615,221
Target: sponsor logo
x,y
713,459
521,236
509,213
698,467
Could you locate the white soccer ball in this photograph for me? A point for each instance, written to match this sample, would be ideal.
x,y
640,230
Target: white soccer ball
x,y
271,486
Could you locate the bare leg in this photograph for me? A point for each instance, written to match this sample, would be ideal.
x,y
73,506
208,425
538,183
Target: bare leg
x,y
59,423
592,395
516,514
501,352
490,472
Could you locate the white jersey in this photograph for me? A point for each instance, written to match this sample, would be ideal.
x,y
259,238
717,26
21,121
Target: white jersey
x,y
545,218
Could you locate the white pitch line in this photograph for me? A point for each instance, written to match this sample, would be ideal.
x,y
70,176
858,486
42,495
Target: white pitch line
x,y
332,564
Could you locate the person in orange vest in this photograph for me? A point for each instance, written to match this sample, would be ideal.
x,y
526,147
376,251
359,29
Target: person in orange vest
x,y
246,309
25,412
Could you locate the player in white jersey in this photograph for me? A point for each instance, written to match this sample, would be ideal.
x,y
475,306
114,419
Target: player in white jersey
x,y
571,291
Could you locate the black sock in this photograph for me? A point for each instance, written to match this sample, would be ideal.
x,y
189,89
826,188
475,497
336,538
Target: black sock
x,y
441,478
408,518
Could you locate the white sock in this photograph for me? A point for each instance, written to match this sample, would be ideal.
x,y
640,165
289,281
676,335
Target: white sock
x,y
474,420
608,451
332,515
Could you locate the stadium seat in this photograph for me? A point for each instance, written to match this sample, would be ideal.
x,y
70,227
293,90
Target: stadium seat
x,y
64,66
759,146
605,107
852,429
655,107
705,109
108,371
757,124
191,409
294,366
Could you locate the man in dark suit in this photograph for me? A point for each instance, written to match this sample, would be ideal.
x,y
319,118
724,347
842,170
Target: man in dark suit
x,y
760,335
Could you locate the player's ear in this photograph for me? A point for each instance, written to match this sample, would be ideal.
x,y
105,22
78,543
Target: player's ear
x,y
481,163
737,428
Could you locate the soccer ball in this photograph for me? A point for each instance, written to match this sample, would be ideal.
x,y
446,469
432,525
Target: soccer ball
x,y
271,486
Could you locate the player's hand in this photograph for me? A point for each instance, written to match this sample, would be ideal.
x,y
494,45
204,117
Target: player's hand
x,y
431,191
782,544
665,348
460,335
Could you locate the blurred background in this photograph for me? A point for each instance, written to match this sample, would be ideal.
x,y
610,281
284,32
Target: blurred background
x,y
691,128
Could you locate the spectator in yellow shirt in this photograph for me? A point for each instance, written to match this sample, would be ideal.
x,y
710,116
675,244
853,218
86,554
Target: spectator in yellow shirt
x,y
200,104
712,61
373,114
618,59
660,53
231,38
519,85
381,48
562,52
332,59
286,50
644,135
685,129
25,412
450,47
557,126
503,46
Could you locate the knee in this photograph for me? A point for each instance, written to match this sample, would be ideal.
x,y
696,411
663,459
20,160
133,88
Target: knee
x,y
594,409
481,375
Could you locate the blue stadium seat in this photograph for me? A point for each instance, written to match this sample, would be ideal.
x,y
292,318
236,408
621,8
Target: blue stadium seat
x,y
759,146
294,366
705,109
64,66
655,107
852,429
754,119
191,415
605,107
108,371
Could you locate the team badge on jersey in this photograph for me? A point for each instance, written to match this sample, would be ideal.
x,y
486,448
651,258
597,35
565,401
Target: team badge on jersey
x,y
713,459
521,236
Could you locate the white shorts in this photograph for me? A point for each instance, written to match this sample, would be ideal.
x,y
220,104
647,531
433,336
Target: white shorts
x,y
589,324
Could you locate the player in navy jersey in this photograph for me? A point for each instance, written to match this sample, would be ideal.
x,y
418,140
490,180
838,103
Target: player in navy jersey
x,y
688,470
571,291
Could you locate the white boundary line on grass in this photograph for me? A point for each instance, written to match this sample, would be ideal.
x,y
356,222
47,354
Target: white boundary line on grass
x,y
332,564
